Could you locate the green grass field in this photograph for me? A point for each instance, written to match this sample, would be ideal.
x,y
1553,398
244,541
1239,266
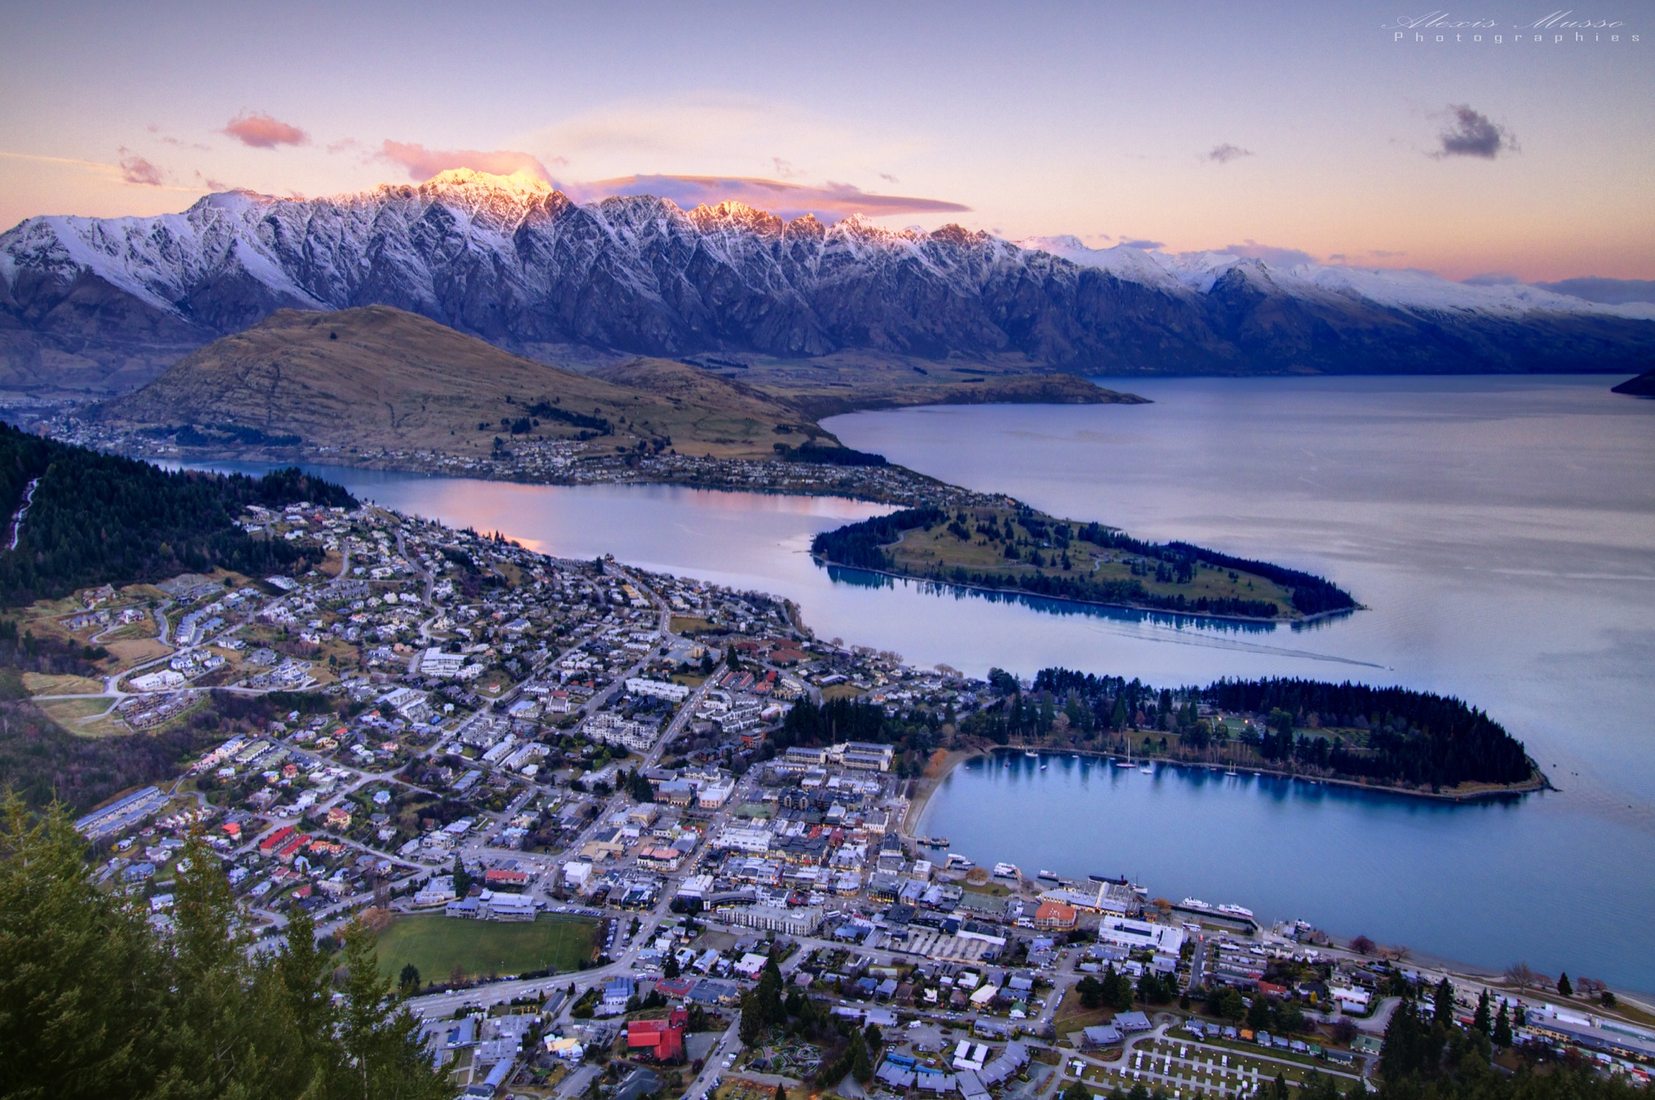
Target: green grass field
x,y
438,944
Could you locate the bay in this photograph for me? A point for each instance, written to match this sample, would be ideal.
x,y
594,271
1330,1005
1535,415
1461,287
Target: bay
x,y
1500,530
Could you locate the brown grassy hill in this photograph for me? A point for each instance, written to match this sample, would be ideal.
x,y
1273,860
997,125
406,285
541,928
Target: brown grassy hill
x,y
381,377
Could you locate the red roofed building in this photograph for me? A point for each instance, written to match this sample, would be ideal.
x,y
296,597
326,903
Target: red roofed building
x,y
505,876
275,839
1054,916
661,1039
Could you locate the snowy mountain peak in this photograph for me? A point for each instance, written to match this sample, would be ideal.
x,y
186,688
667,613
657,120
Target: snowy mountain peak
x,y
512,260
521,183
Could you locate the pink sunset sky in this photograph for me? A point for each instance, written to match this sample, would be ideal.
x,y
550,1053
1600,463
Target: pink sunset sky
x,y
1344,132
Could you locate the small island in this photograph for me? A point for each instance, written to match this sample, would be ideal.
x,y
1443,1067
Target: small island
x,y
1006,546
1641,386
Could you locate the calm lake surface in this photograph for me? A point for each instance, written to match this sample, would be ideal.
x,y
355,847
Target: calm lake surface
x,y
1501,532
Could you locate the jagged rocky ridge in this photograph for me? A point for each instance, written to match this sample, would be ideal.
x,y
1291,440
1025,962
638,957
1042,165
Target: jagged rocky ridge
x,y
105,303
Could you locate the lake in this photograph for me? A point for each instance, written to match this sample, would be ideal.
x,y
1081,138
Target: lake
x,y
1500,530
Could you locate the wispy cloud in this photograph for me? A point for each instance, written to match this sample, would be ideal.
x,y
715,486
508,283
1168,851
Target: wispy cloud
x,y
1471,133
261,131
177,142
136,169
830,201
104,169
1225,153
1269,253
1596,288
211,183
1140,242
422,163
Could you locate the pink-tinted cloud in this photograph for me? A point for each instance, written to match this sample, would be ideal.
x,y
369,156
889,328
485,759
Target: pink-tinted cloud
x,y
212,183
260,131
136,169
829,202
342,145
1269,253
423,163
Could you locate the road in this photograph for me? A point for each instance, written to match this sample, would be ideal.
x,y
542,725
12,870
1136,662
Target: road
x,y
23,510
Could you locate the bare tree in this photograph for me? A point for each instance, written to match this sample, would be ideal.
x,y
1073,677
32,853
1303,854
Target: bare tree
x,y
1519,975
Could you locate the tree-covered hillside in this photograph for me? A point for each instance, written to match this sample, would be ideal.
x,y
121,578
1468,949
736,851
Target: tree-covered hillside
x,y
94,1002
1389,735
1013,547
100,519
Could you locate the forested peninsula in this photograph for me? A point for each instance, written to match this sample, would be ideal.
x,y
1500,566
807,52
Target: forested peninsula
x,y
1010,546
1413,742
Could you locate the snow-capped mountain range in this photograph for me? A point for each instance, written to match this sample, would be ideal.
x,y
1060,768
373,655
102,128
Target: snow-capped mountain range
x,y
107,302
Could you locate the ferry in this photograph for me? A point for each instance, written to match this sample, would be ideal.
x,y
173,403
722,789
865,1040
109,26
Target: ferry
x,y
955,860
1006,870
932,841
1052,875
1193,903
1236,911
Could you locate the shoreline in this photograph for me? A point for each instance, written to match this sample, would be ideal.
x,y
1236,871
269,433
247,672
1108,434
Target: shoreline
x,y
926,786
1415,958
965,586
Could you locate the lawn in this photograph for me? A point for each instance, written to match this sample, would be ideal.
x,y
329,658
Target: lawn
x,y
70,713
438,945
1074,1016
39,683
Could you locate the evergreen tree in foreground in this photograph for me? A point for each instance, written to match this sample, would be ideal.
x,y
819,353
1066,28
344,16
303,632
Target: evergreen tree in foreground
x,y
95,1003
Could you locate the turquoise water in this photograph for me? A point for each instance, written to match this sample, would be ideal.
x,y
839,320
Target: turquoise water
x,y
1501,531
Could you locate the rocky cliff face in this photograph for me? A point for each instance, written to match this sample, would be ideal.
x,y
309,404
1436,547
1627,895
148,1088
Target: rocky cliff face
x,y
89,302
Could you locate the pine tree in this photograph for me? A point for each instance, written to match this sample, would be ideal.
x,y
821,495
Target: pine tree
x,y
79,987
861,1065
1502,1028
1563,985
381,1042
1442,1003
105,1006
1483,1021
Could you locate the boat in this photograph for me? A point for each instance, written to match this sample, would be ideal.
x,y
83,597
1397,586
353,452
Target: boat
x,y
1048,875
932,841
1031,754
1236,911
1043,767
959,861
1147,770
1006,870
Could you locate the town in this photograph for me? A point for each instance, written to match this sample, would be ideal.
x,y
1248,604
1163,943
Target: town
x,y
610,852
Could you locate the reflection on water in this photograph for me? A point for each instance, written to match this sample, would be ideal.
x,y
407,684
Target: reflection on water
x,y
1462,880
844,574
1500,531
